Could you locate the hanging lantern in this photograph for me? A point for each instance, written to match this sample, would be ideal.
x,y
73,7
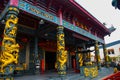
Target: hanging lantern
x,y
24,40
72,53
21,46
0,43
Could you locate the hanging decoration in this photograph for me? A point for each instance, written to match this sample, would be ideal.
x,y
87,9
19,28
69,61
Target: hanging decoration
x,y
24,40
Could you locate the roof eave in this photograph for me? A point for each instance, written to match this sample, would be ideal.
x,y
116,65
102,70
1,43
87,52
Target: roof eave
x,y
89,15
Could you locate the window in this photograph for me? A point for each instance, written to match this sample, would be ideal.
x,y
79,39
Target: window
x,y
111,51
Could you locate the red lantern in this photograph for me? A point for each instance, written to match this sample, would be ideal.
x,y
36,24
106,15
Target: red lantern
x,y
21,46
0,43
24,39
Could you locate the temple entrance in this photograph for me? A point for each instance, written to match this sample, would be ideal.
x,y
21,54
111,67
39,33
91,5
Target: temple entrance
x,y
50,59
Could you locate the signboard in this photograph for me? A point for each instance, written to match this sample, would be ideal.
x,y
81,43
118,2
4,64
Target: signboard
x,y
37,12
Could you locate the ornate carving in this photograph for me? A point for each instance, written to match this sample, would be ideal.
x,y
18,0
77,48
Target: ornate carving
x,y
91,71
62,59
106,55
61,52
9,49
97,52
80,59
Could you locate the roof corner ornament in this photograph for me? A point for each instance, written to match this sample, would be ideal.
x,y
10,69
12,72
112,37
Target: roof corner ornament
x,y
116,4
112,28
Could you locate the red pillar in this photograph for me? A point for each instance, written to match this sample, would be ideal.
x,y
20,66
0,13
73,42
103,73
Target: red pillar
x,y
14,2
74,64
60,16
42,66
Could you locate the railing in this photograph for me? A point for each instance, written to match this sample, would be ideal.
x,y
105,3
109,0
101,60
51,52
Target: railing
x,y
115,76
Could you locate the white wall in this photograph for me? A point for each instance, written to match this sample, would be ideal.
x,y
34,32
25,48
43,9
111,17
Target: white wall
x,y
116,51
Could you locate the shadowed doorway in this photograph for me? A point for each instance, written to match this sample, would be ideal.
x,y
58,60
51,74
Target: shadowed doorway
x,y
50,59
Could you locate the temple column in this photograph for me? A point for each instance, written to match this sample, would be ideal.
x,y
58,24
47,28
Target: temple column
x,y
77,60
9,48
80,55
97,54
27,61
105,55
36,47
68,60
61,53
43,62
36,54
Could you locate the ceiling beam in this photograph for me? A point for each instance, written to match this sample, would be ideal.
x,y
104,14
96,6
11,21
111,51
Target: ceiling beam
x,y
49,2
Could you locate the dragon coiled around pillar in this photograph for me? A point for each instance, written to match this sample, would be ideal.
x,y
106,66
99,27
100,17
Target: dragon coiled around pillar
x,y
62,59
61,52
9,48
98,53
106,55
80,59
99,59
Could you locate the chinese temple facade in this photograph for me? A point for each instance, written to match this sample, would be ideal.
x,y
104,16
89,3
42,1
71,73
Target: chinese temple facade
x,y
49,34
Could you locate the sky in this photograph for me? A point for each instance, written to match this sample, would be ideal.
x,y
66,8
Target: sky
x,y
105,13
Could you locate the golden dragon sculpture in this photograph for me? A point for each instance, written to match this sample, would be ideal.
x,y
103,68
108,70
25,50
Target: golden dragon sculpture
x,y
9,48
62,59
61,52
80,59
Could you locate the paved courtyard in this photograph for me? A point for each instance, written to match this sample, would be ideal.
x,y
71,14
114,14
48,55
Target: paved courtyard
x,y
70,76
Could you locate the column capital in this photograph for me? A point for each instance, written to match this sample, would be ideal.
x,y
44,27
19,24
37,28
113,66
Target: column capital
x,y
60,27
